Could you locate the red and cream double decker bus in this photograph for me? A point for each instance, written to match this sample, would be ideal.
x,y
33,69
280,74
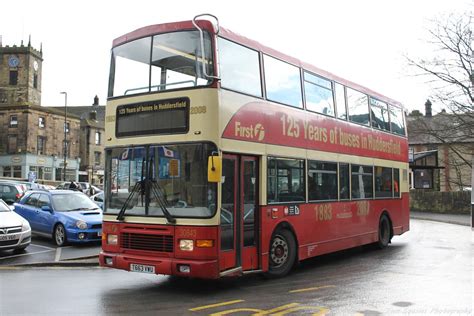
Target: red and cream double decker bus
x,y
226,157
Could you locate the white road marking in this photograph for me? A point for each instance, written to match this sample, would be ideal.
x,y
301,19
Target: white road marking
x,y
58,254
26,254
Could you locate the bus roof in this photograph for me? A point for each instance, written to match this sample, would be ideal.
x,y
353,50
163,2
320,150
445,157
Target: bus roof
x,y
228,34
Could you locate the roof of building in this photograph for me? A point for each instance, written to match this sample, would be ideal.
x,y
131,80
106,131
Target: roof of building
x,y
441,128
83,111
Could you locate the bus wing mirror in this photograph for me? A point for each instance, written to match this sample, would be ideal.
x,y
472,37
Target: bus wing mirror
x,y
214,169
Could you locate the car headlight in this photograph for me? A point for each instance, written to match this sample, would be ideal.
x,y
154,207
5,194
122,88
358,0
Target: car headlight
x,y
186,244
81,225
25,226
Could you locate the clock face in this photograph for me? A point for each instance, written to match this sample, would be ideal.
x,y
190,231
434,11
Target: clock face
x,y
13,61
35,65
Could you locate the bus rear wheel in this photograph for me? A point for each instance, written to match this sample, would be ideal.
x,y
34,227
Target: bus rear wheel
x,y
282,253
385,234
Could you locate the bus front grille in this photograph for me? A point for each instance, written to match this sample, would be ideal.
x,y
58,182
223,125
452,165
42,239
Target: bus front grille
x,y
161,243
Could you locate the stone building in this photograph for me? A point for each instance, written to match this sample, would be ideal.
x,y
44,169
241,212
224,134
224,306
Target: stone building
x,y
91,142
443,150
38,142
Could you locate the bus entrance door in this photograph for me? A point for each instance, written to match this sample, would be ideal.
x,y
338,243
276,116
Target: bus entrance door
x,y
239,213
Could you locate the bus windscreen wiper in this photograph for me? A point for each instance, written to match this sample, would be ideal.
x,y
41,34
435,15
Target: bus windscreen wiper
x,y
157,191
138,187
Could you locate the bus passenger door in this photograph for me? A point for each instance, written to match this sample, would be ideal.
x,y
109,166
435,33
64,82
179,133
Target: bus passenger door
x,y
239,210
249,212
228,255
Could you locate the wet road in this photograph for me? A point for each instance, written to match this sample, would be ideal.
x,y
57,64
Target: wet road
x,y
426,271
43,250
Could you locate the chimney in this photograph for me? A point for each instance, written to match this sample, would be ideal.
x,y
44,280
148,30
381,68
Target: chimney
x,y
96,100
93,115
428,112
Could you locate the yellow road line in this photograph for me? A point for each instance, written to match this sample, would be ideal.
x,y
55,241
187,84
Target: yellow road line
x,y
199,308
312,289
277,309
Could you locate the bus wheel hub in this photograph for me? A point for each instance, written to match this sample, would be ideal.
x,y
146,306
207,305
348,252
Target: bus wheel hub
x,y
279,251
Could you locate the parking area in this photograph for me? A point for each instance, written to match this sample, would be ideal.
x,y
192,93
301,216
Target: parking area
x,y
44,251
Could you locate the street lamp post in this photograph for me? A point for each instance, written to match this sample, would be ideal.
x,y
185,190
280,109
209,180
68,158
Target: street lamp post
x,y
65,135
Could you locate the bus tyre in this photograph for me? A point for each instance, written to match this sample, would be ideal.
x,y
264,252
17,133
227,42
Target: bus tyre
x,y
384,232
59,235
282,253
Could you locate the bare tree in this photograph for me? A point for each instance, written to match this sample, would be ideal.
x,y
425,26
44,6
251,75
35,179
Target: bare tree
x,y
450,74
450,71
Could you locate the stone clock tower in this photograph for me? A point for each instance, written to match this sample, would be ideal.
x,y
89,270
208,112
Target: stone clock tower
x,y
20,75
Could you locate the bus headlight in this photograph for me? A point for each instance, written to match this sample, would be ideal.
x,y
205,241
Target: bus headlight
x,y
186,244
112,239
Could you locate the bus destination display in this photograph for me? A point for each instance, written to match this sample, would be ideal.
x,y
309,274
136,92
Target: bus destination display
x,y
153,117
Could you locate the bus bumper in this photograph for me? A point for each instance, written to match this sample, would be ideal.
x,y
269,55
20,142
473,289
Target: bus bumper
x,y
208,269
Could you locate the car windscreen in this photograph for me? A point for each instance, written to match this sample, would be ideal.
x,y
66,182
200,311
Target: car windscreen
x,y
4,207
72,202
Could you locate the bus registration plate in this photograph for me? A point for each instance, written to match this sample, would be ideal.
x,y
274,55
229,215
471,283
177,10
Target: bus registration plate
x,y
142,268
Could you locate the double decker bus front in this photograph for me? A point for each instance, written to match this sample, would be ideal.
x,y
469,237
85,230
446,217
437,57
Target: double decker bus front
x,y
160,213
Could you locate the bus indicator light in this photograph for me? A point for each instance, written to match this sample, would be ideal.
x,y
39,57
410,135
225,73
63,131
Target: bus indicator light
x,y
204,243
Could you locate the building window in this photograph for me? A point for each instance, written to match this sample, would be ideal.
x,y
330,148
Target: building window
x,y
41,145
12,171
7,171
13,77
13,121
35,81
16,171
41,122
67,126
97,156
12,144
286,180
97,138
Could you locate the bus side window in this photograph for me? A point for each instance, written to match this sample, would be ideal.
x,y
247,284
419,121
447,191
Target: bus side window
x,y
343,181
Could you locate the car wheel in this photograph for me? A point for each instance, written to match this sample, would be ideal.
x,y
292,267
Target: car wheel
x,y
282,253
59,235
384,232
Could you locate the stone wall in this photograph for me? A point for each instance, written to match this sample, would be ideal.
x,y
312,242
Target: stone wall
x,y
458,202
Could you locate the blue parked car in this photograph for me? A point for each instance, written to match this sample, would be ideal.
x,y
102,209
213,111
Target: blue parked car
x,y
66,216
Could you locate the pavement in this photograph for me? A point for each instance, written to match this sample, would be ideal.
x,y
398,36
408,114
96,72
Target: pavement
x,y
93,260
458,219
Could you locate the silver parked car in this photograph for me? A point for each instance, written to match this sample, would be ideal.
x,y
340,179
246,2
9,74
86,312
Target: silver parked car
x,y
15,231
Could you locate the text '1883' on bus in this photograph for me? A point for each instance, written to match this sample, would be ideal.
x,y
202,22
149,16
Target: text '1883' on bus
x,y
225,157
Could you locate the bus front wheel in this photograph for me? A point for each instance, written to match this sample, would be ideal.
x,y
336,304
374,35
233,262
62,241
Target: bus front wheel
x,y
385,234
282,253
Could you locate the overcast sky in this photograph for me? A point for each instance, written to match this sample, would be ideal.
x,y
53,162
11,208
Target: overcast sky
x,y
363,41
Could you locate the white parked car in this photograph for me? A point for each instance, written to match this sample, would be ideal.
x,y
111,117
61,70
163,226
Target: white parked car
x,y
15,231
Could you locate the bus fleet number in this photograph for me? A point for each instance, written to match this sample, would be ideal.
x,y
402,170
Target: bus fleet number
x,y
323,212
198,109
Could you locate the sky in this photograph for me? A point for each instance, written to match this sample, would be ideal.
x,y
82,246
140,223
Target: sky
x,y
364,41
